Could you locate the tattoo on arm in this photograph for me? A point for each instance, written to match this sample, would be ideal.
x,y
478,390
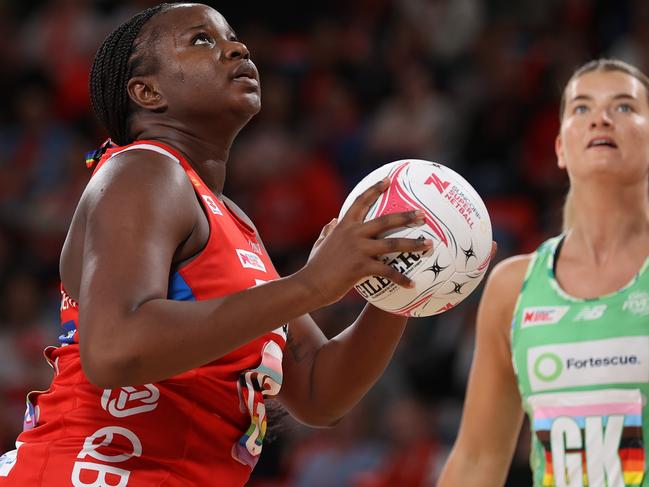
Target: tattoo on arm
x,y
298,349
303,352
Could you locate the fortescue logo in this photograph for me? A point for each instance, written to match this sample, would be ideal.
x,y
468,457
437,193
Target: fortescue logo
x,y
621,360
604,361
548,366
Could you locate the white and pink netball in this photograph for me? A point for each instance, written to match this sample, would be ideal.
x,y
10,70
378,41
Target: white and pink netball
x,y
456,220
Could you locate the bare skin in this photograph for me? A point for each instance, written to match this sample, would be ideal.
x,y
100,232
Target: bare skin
x,y
610,182
487,422
116,261
607,181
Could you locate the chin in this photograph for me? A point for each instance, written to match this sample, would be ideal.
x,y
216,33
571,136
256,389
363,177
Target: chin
x,y
250,104
623,172
605,162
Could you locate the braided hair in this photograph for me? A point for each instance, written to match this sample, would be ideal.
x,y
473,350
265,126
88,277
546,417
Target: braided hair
x,y
116,61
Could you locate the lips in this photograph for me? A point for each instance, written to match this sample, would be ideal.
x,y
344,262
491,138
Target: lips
x,y
245,71
602,141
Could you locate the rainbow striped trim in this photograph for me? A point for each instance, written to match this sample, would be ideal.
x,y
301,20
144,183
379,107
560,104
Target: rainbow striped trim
x,y
578,408
94,156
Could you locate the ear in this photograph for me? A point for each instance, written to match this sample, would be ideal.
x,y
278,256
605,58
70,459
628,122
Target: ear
x,y
146,94
558,149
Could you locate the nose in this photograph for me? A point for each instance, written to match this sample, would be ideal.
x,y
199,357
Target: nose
x,y
237,50
602,118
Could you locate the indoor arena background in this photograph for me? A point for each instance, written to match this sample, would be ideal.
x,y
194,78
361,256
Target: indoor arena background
x,y
346,86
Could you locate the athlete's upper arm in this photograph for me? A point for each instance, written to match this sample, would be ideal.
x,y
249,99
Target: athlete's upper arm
x,y
138,209
492,410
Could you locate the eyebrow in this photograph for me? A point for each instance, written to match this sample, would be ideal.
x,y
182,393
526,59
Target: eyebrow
x,y
206,26
619,96
199,26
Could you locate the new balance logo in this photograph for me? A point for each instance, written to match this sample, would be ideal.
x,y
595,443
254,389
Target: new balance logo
x,y
589,313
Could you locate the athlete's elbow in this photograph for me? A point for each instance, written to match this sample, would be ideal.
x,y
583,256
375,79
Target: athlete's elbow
x,y
320,411
477,466
106,368
317,417
100,379
325,422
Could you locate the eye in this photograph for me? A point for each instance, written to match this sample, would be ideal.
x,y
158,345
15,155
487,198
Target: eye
x,y
624,108
580,109
202,39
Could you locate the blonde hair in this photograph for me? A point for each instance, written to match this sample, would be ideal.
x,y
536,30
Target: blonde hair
x,y
605,65
568,213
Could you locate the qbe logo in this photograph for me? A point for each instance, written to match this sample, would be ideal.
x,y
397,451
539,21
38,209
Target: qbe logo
x,y
610,361
128,400
101,446
110,446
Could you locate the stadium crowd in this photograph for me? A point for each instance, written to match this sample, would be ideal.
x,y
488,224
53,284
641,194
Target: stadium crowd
x,y
346,87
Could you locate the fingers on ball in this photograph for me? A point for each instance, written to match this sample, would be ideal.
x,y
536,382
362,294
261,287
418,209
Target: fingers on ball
x,y
396,244
383,223
358,210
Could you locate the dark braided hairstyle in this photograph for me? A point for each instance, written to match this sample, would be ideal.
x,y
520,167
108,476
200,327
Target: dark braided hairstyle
x,y
116,61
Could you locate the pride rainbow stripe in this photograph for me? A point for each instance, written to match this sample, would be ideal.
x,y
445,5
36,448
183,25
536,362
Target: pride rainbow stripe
x,y
546,408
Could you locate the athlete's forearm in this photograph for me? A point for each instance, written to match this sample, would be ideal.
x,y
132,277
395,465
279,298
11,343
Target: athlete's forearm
x,y
162,338
347,366
467,470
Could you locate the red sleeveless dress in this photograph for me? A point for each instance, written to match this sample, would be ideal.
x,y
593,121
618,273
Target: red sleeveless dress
x,y
203,427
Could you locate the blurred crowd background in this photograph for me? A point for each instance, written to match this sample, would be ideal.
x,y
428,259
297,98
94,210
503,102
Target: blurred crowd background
x,y
346,87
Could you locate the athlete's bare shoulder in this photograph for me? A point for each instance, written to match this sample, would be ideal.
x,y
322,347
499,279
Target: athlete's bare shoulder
x,y
141,171
142,183
510,272
137,189
501,292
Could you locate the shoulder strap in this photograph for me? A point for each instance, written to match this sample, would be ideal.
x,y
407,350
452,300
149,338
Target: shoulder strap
x,y
145,146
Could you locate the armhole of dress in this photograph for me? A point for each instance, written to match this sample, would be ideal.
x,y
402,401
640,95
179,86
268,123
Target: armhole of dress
x,y
530,269
515,324
554,250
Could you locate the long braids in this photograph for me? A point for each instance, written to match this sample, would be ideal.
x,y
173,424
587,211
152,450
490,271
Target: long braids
x,y
112,68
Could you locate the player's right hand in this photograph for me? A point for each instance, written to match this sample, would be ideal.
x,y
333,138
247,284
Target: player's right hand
x,y
347,251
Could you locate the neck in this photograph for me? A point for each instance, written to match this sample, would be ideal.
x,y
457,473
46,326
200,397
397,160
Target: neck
x,y
609,219
207,153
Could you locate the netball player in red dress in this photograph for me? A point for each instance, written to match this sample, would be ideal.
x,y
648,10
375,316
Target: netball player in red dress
x,y
176,324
